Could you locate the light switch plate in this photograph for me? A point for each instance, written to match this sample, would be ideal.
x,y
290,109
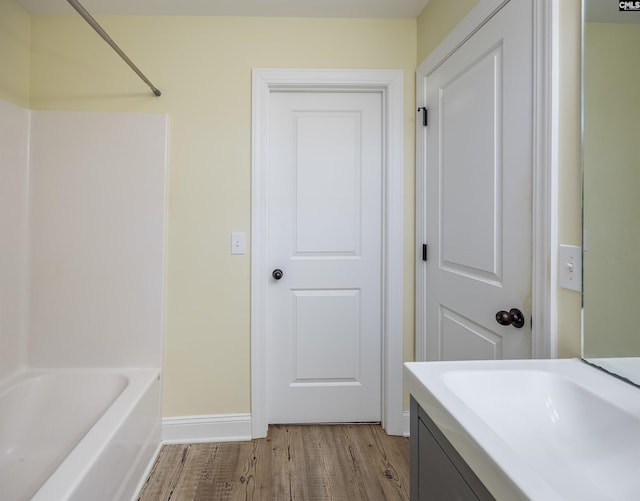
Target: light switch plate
x,y
570,267
238,243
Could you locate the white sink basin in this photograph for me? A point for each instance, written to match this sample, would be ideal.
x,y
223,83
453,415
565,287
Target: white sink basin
x,y
537,429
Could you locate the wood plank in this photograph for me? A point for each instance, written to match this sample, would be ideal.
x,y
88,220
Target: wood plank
x,y
294,463
390,460
254,472
166,471
216,471
361,450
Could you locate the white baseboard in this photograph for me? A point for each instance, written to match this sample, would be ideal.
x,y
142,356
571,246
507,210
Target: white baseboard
x,y
211,428
220,428
406,424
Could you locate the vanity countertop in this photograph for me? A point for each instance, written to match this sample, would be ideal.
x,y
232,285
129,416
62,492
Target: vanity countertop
x,y
536,429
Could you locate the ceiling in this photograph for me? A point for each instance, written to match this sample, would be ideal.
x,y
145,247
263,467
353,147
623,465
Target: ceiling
x,y
401,9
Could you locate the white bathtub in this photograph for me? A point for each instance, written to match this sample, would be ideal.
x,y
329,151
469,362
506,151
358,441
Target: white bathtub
x,y
78,434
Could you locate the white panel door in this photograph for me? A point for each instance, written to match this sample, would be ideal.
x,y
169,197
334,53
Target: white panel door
x,y
479,192
324,234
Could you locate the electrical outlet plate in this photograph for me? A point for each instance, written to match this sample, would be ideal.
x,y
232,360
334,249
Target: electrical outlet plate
x,y
570,267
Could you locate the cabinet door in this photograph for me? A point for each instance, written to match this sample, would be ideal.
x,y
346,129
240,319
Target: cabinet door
x,y
439,480
438,472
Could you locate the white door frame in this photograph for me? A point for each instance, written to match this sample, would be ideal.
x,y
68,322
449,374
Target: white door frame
x,y
390,84
545,195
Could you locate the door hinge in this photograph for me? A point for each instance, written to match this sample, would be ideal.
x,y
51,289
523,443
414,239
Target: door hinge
x,y
425,115
424,252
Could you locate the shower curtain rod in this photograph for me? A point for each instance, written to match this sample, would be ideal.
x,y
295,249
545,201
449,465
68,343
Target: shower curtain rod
x,y
94,24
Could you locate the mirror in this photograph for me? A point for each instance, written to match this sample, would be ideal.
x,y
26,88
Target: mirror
x,y
611,187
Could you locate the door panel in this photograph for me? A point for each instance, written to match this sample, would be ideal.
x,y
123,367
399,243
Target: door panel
x,y
479,191
325,220
328,149
470,169
324,320
464,339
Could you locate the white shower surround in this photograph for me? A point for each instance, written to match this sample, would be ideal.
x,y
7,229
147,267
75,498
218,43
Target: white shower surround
x,y
14,158
97,191
82,212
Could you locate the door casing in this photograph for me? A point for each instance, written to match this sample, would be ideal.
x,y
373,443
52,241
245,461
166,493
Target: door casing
x,y
390,84
545,168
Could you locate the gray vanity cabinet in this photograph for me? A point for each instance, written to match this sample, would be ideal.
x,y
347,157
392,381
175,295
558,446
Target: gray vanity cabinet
x,y
438,473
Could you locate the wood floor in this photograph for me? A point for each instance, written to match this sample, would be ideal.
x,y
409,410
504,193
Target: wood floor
x,y
295,462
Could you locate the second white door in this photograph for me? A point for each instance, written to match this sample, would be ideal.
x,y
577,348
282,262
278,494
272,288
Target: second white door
x,y
324,245
479,193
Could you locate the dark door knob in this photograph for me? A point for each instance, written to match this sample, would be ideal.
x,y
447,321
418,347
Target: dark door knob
x,y
512,317
277,274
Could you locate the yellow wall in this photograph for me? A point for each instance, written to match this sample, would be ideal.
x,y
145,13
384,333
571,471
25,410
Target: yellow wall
x,y
611,181
15,34
437,20
203,66
569,167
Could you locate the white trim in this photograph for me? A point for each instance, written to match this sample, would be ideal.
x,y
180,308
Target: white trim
x,y
211,428
545,196
421,222
390,84
545,181
406,423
